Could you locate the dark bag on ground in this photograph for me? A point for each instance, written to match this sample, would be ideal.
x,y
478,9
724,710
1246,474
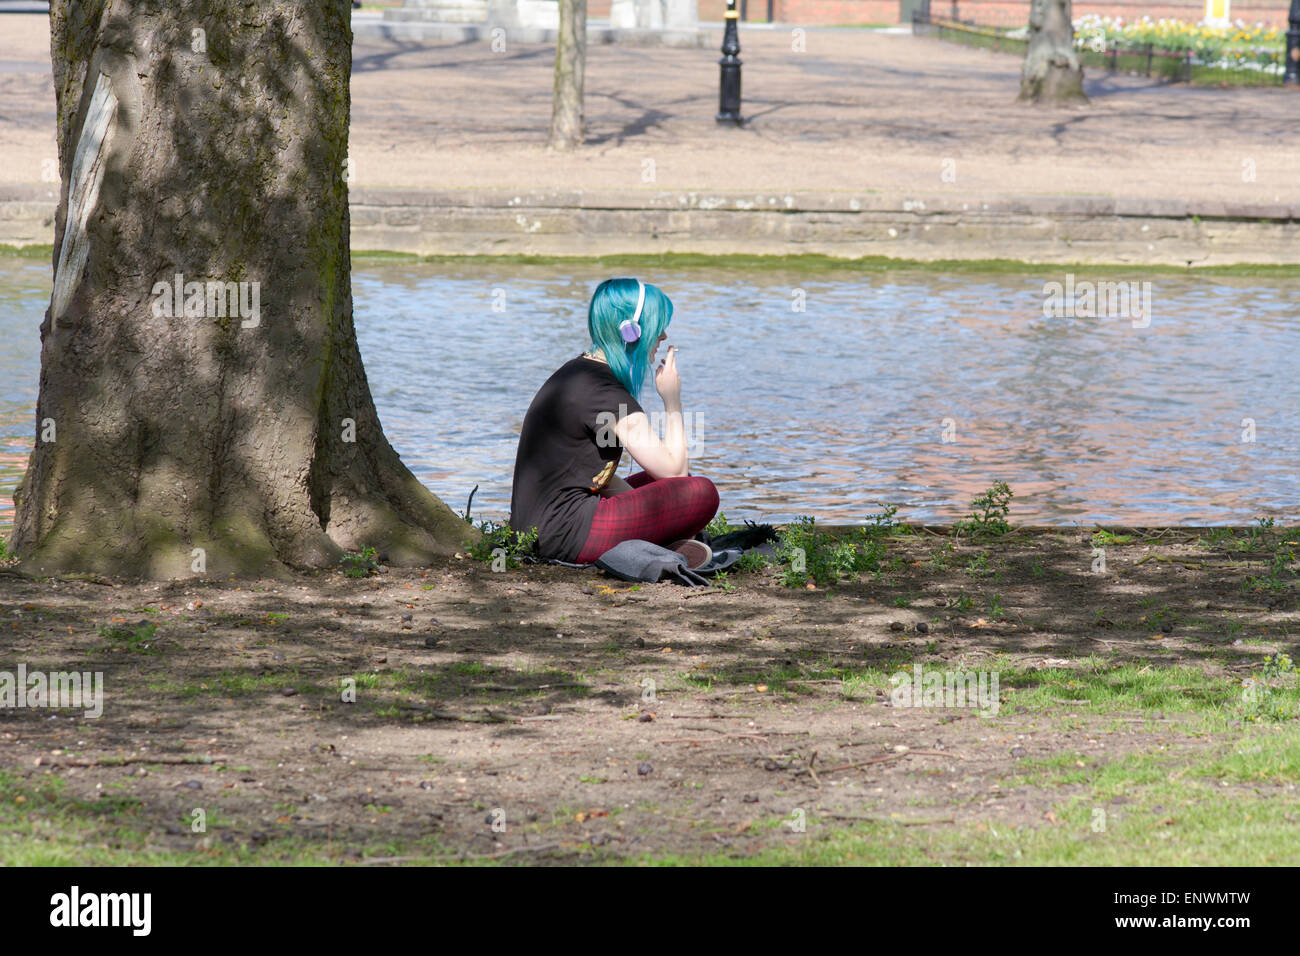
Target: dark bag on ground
x,y
744,539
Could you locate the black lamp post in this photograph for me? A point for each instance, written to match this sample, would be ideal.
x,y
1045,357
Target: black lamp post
x,y
729,94
1292,72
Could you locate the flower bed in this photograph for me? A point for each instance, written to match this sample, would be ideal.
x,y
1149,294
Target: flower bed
x,y
1235,46
1200,53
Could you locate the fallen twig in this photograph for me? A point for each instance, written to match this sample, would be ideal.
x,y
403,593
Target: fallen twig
x,y
710,716
1196,565
715,730
518,849
901,823
487,718
123,761
881,758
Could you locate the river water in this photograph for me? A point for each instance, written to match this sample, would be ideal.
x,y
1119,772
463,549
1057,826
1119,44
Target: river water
x,y
915,388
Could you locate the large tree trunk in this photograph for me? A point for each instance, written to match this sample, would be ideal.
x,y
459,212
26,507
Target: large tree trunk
x,y
1052,73
208,139
568,126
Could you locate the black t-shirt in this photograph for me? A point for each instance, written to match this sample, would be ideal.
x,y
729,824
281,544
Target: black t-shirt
x,y
567,453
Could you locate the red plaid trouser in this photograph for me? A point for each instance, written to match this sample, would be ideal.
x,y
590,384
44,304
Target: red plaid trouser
x,y
661,511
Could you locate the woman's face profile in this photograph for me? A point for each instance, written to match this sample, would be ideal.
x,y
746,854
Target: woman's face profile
x,y
654,351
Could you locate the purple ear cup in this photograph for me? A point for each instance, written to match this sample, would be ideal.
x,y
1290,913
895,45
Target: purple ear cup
x,y
630,329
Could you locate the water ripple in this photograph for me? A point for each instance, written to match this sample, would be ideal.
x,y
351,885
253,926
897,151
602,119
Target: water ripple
x,y
914,388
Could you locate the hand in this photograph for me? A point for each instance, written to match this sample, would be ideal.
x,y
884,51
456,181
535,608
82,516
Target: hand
x,y
667,380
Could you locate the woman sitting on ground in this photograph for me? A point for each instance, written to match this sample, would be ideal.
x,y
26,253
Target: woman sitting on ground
x,y
580,421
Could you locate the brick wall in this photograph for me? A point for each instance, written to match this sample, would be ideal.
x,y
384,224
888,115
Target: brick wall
x,y
992,12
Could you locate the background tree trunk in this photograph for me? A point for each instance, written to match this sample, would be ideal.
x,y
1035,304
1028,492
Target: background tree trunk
x,y
208,139
568,126
1052,73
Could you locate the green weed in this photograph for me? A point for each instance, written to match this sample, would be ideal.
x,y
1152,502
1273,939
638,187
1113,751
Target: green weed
x,y
500,541
989,518
360,564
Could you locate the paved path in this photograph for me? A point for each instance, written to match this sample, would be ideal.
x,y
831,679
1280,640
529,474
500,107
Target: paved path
x,y
858,112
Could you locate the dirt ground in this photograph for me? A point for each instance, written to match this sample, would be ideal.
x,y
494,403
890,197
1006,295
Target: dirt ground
x,y
550,715
849,110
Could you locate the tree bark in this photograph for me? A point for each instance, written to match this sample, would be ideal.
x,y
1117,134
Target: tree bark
x,y
1052,73
207,140
568,125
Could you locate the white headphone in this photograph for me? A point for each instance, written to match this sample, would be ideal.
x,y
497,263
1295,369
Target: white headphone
x,y
630,329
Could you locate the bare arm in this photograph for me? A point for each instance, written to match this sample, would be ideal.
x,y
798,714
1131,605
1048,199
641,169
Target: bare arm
x,y
661,459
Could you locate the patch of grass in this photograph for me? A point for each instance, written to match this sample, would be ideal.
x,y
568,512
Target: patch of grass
x,y
819,262
1268,757
1110,688
1102,538
1189,828
469,668
1135,809
27,252
1056,770
1271,759
787,676
41,824
856,686
137,638
702,681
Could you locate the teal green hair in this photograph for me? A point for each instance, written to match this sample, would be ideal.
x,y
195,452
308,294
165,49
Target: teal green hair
x,y
613,301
